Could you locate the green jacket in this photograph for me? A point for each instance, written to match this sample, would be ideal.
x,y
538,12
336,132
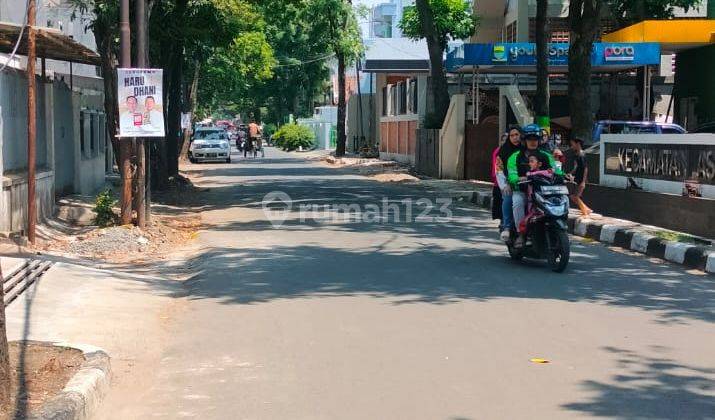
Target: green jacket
x,y
518,165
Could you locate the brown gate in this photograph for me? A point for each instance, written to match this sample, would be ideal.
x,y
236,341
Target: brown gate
x,y
480,140
427,152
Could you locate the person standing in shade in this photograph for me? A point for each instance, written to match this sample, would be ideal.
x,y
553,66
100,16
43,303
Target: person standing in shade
x,y
577,171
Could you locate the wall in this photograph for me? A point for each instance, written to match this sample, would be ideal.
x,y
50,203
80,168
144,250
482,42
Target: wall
x,y
89,164
13,102
369,124
64,135
451,138
658,163
684,214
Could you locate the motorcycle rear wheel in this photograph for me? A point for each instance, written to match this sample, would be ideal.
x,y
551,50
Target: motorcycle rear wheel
x,y
560,251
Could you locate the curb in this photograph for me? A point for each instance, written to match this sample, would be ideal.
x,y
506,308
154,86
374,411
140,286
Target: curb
x,y
625,236
83,393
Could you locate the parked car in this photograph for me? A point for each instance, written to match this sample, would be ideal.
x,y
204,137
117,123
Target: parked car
x,y
629,127
215,147
203,132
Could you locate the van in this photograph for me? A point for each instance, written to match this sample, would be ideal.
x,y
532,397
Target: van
x,y
633,127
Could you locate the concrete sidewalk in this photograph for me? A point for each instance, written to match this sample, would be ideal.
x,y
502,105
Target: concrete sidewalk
x,y
127,315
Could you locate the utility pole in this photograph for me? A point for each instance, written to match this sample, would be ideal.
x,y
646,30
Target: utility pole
x,y
31,123
139,202
125,144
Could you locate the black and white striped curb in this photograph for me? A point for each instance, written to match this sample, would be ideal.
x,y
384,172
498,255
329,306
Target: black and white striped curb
x,y
629,237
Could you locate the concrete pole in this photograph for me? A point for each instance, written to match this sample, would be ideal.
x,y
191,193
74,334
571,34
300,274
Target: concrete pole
x,y
139,202
125,144
31,123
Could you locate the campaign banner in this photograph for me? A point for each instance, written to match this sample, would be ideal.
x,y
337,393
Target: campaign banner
x,y
139,96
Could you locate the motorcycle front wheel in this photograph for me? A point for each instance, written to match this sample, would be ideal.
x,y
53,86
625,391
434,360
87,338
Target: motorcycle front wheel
x,y
559,250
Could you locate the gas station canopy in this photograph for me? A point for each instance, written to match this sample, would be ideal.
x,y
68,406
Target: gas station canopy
x,y
520,57
672,35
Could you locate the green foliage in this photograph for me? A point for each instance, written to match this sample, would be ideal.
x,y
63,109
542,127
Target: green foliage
x,y
334,23
453,19
627,12
103,209
293,136
269,129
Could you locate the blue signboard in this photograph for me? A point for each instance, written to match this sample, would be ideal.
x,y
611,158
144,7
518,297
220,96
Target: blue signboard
x,y
524,54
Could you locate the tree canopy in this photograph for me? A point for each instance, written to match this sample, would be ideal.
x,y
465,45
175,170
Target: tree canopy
x,y
453,20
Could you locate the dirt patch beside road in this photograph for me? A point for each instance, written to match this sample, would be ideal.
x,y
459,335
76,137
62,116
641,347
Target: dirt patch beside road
x,y
39,371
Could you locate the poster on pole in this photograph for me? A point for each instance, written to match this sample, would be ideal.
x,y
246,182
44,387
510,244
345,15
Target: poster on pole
x,y
141,108
185,120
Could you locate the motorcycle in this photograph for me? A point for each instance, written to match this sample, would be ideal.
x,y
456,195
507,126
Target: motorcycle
x,y
546,225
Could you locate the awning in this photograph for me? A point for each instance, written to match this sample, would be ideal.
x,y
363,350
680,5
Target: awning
x,y
672,35
49,43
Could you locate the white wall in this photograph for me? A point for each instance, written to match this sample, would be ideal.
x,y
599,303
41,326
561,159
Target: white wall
x,y
451,137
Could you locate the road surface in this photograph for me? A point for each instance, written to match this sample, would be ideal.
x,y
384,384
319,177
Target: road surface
x,y
388,319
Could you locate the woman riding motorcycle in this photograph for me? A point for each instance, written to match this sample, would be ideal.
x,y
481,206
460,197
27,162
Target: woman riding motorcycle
x,y
518,166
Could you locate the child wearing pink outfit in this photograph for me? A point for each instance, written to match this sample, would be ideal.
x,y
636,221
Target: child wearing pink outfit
x,y
535,169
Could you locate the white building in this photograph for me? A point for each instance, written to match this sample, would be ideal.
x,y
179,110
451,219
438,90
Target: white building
x,y
385,18
72,141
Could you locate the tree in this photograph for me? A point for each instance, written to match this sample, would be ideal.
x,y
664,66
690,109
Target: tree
x,y
541,102
584,19
335,26
438,22
105,26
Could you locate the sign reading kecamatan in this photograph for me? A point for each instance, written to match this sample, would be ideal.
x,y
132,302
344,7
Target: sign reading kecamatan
x,y
141,111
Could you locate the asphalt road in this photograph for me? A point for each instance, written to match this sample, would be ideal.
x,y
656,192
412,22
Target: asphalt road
x,y
324,318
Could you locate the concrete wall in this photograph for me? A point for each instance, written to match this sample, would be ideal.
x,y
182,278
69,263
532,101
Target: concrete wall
x,y
685,214
60,161
451,138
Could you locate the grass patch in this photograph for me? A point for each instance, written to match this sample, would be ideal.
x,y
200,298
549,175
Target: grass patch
x,y
679,237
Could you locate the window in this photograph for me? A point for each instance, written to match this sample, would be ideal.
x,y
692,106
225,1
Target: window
x,y
94,131
510,32
82,134
393,100
385,100
413,96
402,98
671,130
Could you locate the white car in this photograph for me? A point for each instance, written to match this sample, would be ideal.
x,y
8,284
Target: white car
x,y
212,148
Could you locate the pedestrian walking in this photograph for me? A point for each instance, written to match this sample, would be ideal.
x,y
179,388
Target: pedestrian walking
x,y
577,170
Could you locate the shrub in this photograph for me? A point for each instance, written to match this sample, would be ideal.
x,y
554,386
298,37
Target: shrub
x,y
103,208
293,136
269,129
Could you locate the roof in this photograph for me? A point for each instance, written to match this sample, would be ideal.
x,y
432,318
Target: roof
x,y
49,43
383,55
673,35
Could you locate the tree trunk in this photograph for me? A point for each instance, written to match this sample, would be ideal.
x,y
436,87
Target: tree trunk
x,y
173,136
4,351
541,101
105,39
192,108
584,21
435,46
340,146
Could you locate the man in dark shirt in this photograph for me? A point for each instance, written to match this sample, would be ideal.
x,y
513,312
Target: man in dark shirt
x,y
578,170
